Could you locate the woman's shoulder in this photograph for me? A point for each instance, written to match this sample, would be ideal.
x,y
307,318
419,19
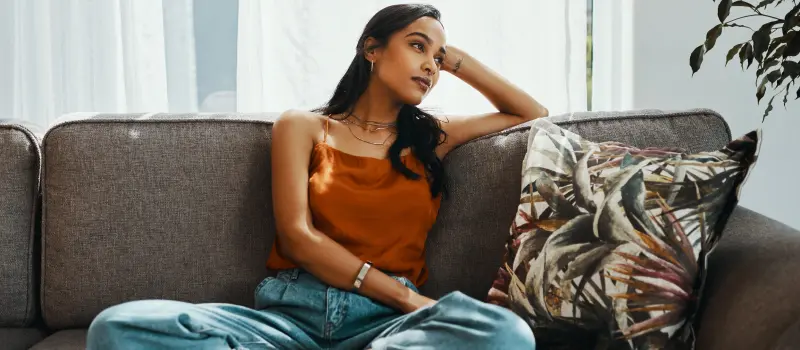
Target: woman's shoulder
x,y
295,116
299,121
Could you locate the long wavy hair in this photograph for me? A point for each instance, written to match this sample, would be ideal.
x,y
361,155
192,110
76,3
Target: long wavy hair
x,y
417,129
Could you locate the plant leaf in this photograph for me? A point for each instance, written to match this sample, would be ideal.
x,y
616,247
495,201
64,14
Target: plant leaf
x,y
743,4
746,53
711,36
696,58
658,322
762,89
585,265
785,99
774,75
774,45
760,43
779,51
769,109
798,93
791,68
633,193
764,4
793,47
767,65
724,9
610,224
791,19
767,27
555,199
582,185
569,241
732,52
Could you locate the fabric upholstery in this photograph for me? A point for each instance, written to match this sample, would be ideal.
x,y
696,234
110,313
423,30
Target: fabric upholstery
x,y
19,338
19,194
73,339
751,293
466,244
179,207
153,206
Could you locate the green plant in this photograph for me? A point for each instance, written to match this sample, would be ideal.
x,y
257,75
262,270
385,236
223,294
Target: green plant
x,y
773,45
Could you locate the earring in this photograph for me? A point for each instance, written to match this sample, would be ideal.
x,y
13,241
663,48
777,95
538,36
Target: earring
x,y
371,66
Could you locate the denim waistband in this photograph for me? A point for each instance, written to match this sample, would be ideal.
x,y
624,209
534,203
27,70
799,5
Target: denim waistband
x,y
289,274
294,273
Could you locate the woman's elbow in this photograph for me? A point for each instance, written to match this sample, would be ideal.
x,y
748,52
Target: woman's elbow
x,y
544,112
290,239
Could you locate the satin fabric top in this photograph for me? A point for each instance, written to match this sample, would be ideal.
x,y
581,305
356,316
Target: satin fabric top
x,y
372,210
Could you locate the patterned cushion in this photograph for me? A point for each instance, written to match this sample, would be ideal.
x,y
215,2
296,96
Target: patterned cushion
x,y
608,249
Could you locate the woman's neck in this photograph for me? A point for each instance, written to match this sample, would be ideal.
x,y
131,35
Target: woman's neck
x,y
376,105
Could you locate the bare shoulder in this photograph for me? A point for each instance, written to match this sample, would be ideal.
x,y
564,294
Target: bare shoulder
x,y
300,123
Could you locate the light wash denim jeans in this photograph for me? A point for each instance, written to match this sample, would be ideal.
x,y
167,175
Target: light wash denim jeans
x,y
295,310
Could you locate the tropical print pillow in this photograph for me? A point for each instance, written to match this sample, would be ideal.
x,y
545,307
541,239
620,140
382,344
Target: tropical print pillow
x,y
608,249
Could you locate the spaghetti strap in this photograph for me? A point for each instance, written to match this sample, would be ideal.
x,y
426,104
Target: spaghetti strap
x,y
325,138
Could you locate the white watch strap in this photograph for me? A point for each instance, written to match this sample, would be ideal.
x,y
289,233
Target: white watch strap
x,y
361,274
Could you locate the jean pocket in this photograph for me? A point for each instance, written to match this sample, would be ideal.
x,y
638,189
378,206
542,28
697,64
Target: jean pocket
x,y
263,292
263,283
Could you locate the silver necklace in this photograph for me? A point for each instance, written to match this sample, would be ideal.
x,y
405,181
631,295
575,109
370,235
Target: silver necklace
x,y
376,126
366,141
366,124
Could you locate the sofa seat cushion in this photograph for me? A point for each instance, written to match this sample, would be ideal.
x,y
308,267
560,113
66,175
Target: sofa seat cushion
x,y
20,338
72,339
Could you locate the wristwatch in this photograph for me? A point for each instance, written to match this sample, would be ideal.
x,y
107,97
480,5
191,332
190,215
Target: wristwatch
x,y
361,274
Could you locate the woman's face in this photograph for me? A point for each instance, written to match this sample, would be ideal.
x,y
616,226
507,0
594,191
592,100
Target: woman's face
x,y
409,63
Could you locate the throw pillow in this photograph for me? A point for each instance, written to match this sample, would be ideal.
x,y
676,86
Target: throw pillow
x,y
608,249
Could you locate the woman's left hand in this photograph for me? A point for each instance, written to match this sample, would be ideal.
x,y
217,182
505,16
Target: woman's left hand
x,y
452,58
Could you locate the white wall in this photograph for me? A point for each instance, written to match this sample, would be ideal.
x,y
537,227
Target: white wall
x,y
664,34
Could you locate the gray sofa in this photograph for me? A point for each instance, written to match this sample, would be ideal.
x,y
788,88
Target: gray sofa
x,y
178,207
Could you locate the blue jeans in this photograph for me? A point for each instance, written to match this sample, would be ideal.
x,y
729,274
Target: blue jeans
x,y
295,310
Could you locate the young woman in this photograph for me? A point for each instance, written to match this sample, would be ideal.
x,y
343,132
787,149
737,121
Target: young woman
x,y
356,186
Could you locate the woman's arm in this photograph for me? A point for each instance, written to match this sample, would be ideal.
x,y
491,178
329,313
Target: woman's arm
x,y
514,106
292,142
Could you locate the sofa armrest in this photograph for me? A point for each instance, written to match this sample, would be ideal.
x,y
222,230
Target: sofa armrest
x,y
751,294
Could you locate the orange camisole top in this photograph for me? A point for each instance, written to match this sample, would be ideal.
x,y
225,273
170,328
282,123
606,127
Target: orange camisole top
x,y
372,210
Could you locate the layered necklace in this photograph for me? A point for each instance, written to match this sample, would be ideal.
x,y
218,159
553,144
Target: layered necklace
x,y
369,126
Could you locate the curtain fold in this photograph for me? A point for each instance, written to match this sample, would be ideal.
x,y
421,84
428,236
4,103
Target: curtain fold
x,y
612,66
95,56
292,54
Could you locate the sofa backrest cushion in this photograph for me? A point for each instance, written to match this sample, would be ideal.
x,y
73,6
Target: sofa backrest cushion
x,y
465,246
153,206
19,196
179,206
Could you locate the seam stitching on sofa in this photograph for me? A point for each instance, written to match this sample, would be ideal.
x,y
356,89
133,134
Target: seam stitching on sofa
x,y
29,312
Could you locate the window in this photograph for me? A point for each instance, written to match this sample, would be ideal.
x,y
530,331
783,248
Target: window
x,y
117,56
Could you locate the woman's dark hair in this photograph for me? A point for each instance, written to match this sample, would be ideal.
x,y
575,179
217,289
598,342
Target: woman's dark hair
x,y
416,129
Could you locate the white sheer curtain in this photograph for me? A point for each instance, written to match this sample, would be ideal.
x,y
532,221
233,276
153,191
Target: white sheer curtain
x,y
292,53
62,56
612,66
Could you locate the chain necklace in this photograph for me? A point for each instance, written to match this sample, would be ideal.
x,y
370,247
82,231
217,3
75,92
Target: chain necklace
x,y
364,124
